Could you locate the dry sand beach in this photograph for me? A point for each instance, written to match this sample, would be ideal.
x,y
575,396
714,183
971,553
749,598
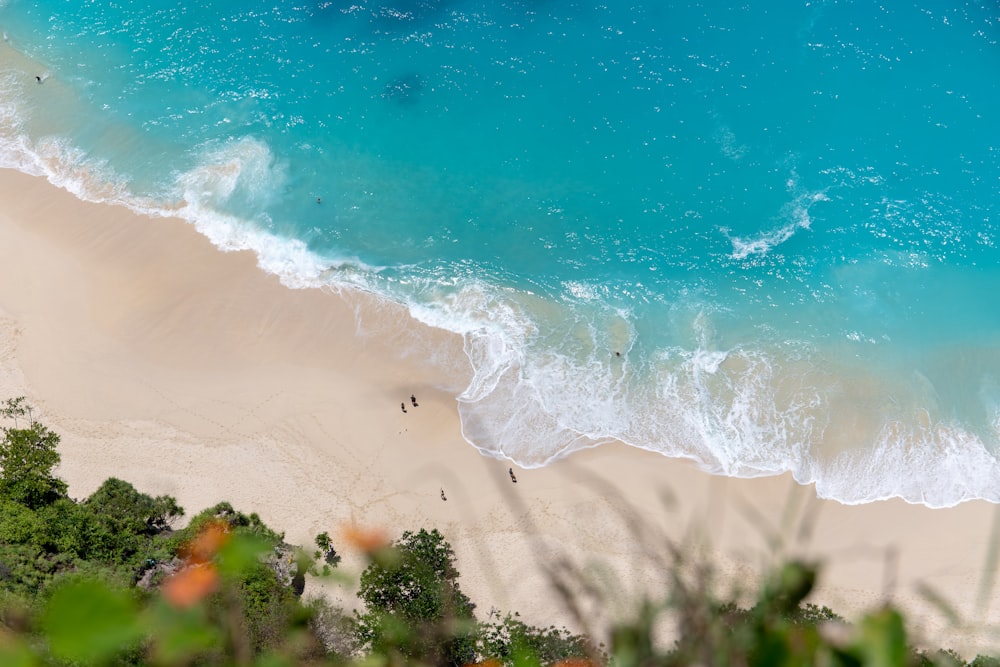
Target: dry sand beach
x,y
189,372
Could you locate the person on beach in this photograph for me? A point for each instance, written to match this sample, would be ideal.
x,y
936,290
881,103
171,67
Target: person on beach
x,y
413,399
38,78
443,497
402,406
510,471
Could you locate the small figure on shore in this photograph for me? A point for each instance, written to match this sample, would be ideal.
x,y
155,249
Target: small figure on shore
x,y
510,471
38,78
413,399
443,497
618,354
402,406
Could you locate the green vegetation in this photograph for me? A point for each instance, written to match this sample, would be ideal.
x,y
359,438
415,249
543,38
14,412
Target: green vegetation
x,y
414,606
109,581
45,535
27,457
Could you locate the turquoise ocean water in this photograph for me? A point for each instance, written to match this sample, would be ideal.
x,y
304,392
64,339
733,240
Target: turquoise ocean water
x,y
762,236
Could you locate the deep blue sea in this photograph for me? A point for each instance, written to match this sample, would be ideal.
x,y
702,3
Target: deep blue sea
x,y
762,236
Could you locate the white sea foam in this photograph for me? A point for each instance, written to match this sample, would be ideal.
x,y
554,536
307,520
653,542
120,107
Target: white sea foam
x,y
52,157
939,465
245,173
730,420
582,290
735,412
725,138
59,161
241,169
15,151
797,216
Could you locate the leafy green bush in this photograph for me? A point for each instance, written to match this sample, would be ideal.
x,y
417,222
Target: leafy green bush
x,y
414,606
27,458
510,641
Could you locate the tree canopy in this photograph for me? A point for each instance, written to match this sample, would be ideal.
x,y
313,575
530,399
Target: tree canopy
x,y
411,594
27,458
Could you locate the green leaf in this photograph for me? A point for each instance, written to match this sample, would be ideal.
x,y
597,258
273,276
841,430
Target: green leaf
x,y
273,660
883,639
523,656
240,554
15,653
180,635
86,621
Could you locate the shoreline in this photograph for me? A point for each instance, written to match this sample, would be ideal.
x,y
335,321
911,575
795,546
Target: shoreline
x,y
188,371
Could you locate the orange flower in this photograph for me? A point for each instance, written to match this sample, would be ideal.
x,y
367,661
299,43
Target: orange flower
x,y
199,577
203,548
191,585
368,541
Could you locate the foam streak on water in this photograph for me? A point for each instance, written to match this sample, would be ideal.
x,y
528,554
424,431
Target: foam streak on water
x,y
760,237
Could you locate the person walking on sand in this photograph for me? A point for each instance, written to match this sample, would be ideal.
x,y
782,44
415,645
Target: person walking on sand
x,y
402,406
443,497
510,471
413,399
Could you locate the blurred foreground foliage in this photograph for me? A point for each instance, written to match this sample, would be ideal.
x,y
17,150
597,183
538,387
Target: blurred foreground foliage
x,y
108,581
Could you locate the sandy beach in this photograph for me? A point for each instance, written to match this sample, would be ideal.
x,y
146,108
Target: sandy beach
x,y
188,371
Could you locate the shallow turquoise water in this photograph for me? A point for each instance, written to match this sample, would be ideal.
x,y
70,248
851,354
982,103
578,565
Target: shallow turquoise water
x,y
763,237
